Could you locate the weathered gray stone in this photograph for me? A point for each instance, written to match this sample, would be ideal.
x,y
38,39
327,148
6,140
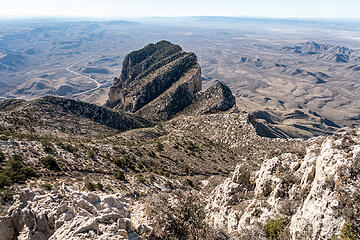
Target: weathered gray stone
x,y
6,228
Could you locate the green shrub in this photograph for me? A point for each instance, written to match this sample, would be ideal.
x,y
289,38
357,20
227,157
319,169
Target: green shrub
x,y
168,184
17,157
7,195
90,186
140,166
188,182
91,153
140,178
151,154
4,179
46,186
187,170
185,219
349,232
50,163
163,173
120,176
99,186
15,172
48,147
192,147
2,156
273,228
120,151
159,147
152,179
67,147
125,162
138,153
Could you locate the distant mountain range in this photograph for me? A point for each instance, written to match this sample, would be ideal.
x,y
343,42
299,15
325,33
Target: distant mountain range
x,y
339,54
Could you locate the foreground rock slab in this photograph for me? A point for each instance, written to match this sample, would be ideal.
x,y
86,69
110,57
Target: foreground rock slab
x,y
67,214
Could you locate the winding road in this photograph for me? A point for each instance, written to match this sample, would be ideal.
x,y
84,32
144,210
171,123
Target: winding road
x,y
98,85
2,55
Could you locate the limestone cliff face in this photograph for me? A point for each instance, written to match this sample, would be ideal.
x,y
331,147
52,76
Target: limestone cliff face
x,y
161,74
312,196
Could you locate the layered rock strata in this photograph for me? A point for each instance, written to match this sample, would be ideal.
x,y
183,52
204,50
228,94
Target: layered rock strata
x,y
159,81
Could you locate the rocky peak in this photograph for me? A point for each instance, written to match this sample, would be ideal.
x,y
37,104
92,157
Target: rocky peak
x,y
151,73
217,98
313,46
140,60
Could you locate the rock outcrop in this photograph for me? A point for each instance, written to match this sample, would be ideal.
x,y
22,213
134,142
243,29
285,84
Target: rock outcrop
x,y
67,214
217,98
313,196
157,81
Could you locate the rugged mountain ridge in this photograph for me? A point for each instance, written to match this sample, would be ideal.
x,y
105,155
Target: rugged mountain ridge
x,y
66,117
74,170
160,75
338,54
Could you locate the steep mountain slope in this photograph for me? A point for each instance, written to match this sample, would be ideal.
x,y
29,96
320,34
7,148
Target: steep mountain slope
x,y
311,196
73,170
64,117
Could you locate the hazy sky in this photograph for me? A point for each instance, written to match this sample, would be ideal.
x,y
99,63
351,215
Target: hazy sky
x,y
125,8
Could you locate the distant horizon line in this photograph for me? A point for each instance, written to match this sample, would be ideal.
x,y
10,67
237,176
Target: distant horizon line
x,y
10,17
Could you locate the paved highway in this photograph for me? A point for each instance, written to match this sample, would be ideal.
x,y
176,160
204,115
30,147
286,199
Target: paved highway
x,y
98,85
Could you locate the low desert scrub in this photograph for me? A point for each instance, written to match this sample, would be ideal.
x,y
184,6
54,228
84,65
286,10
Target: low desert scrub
x,y
179,215
273,228
90,186
48,147
67,147
159,147
125,161
350,232
6,194
15,172
140,178
50,163
2,156
46,186
119,175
